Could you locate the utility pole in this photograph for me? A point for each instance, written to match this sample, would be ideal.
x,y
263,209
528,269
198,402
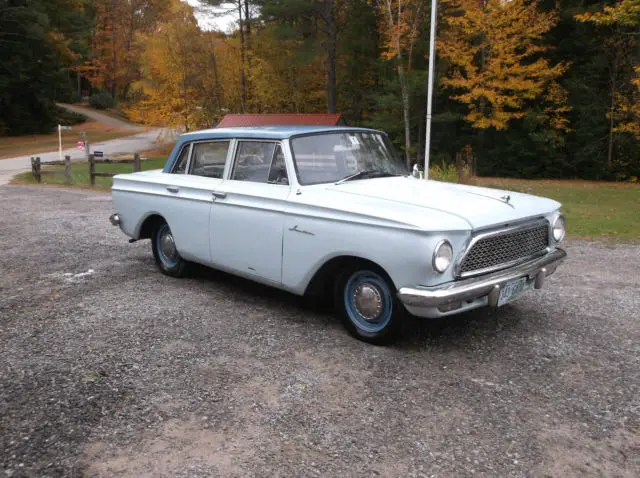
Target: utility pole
x,y
432,55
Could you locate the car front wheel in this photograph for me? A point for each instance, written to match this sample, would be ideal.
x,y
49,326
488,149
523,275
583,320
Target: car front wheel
x,y
365,299
165,252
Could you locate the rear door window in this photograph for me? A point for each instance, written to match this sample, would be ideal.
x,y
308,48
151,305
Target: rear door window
x,y
209,159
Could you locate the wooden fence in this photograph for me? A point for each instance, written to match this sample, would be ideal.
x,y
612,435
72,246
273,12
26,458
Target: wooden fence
x,y
36,168
93,161
37,171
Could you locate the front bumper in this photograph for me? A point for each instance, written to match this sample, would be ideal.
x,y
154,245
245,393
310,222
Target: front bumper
x,y
457,296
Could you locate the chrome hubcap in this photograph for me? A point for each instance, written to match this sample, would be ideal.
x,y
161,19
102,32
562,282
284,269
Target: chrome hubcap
x,y
368,301
168,246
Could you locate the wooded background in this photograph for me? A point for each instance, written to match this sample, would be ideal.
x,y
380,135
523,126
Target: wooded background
x,y
545,88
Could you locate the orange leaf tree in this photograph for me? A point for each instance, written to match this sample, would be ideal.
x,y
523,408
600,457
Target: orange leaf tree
x,y
173,67
114,64
496,62
400,25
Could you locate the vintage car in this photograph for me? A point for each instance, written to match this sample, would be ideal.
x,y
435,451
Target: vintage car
x,y
333,212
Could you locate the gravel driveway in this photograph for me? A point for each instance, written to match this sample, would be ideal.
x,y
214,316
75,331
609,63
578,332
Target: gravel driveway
x,y
108,368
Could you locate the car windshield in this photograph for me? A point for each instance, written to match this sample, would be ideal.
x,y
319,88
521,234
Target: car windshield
x,y
344,156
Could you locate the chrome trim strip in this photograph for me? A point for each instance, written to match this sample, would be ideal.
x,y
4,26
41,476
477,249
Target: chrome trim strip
x,y
474,288
504,265
494,233
182,197
188,167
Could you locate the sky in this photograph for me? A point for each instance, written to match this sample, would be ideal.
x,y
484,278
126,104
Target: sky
x,y
210,18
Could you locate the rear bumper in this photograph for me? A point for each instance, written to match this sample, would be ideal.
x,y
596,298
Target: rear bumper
x,y
454,297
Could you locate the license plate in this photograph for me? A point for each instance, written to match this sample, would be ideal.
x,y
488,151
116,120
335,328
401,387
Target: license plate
x,y
512,290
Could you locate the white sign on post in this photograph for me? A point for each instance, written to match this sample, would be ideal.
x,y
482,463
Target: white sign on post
x,y
60,128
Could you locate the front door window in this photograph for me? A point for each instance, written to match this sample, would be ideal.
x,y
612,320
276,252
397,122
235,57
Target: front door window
x,y
259,162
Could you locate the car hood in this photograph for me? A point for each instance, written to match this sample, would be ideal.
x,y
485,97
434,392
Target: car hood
x,y
478,207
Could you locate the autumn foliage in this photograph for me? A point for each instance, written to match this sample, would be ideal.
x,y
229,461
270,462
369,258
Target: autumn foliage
x,y
525,87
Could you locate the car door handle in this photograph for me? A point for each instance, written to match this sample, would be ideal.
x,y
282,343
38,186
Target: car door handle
x,y
218,195
173,189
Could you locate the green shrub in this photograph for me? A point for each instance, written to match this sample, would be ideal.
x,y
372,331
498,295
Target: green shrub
x,y
69,118
445,172
101,101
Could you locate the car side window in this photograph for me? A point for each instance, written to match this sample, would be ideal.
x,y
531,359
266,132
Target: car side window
x,y
278,171
253,161
180,166
209,159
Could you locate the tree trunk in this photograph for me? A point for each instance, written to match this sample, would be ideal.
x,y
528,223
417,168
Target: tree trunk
x,y
216,78
331,59
247,22
405,114
404,89
614,74
113,34
243,78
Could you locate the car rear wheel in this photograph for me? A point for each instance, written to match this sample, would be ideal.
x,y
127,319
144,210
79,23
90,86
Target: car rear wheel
x,y
365,299
165,252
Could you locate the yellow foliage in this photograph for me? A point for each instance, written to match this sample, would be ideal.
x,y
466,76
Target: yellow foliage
x,y
280,83
171,64
625,13
399,26
628,110
497,65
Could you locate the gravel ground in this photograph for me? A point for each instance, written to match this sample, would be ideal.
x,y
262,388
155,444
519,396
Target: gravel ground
x,y
108,368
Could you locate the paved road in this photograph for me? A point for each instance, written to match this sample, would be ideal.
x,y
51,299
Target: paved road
x,y
103,118
111,369
130,144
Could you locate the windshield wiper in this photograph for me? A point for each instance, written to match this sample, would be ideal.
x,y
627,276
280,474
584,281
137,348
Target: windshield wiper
x,y
366,173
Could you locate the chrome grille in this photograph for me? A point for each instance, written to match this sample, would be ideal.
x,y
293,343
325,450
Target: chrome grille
x,y
503,248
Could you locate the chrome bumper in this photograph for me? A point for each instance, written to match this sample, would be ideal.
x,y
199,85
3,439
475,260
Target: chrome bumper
x,y
476,287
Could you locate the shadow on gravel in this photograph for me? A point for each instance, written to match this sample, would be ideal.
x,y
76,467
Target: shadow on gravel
x,y
454,332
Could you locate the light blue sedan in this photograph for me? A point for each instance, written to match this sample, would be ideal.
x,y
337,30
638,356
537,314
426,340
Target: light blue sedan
x,y
333,212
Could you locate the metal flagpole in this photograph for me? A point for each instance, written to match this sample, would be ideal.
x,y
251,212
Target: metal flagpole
x,y
432,54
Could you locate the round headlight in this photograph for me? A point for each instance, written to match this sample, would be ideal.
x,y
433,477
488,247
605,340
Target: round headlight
x,y
442,256
559,228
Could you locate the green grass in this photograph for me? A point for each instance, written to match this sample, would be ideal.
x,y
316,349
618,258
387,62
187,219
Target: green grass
x,y
593,209
80,173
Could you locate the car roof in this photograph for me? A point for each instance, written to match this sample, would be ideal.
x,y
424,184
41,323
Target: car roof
x,y
266,132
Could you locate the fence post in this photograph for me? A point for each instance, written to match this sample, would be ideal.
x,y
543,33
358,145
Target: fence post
x,y
67,170
38,167
33,166
92,169
136,162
